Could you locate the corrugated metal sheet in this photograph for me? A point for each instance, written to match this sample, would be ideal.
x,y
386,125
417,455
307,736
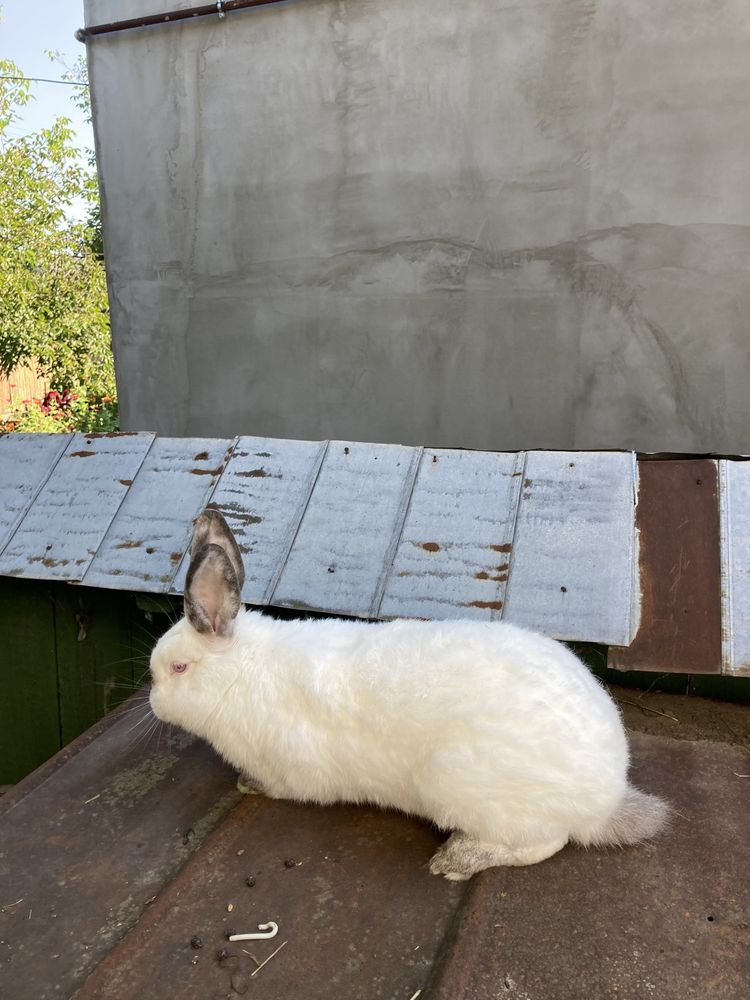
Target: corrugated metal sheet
x,y
64,527
263,494
26,460
543,539
572,559
679,570
347,537
146,541
453,557
735,557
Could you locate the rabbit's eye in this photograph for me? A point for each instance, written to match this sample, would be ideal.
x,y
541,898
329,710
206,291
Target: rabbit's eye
x,y
179,668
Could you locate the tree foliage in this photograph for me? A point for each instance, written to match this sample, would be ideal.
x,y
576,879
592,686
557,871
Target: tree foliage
x,y
53,296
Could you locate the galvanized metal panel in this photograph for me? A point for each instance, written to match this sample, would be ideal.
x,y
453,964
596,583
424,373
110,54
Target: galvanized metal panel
x,y
148,537
62,530
347,538
453,556
735,560
26,461
572,560
263,493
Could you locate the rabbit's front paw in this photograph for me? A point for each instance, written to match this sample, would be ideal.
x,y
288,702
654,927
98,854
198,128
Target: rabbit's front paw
x,y
247,785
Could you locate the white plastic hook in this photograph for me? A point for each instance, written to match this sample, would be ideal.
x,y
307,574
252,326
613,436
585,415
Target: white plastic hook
x,y
271,930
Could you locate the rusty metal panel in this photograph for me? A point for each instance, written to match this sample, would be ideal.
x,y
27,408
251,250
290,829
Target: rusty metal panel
x,y
359,915
735,562
572,564
85,852
65,525
347,538
26,461
147,539
453,556
263,493
680,570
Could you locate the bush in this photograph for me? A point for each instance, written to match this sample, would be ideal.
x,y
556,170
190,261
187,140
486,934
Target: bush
x,y
54,312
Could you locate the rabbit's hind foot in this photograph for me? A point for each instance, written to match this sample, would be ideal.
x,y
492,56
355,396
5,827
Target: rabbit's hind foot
x,y
462,856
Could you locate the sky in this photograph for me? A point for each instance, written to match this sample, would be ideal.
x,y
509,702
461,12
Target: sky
x,y
28,29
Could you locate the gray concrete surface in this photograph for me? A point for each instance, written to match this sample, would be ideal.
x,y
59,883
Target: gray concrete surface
x,y
491,225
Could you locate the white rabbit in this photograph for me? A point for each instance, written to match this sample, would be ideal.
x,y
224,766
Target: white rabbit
x,y
495,733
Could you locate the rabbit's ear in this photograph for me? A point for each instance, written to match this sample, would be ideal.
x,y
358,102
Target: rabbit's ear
x,y
210,528
212,591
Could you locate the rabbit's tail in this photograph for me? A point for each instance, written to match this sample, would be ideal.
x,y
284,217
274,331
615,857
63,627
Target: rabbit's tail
x,y
638,817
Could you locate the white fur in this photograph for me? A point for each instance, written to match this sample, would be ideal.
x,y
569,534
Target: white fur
x,y
486,729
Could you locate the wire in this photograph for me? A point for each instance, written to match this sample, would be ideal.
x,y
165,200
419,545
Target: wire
x,y
43,79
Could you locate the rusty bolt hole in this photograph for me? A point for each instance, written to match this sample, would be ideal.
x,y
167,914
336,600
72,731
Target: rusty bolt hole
x,y
699,482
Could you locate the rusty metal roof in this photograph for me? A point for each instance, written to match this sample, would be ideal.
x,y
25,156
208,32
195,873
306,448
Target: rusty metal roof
x,y
123,867
549,540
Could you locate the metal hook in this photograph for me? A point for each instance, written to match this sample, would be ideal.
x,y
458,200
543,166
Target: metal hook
x,y
271,929
220,8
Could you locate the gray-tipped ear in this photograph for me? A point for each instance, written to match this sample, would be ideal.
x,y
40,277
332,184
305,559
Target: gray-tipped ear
x,y
212,591
210,528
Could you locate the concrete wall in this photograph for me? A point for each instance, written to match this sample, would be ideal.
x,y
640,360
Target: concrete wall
x,y
492,224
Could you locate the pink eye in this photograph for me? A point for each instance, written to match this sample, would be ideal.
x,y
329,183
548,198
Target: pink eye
x,y
179,668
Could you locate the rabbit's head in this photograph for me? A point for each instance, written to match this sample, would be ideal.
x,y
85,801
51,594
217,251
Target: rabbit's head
x,y
184,660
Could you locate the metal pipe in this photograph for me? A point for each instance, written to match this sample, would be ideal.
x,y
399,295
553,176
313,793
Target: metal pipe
x,y
218,8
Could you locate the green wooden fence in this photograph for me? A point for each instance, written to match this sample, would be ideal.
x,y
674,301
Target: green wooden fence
x,y
68,655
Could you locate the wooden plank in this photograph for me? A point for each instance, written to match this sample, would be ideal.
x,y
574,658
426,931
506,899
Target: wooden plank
x,y
357,868
263,493
571,574
65,525
96,665
89,850
735,560
347,538
29,720
26,461
146,541
680,570
452,559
